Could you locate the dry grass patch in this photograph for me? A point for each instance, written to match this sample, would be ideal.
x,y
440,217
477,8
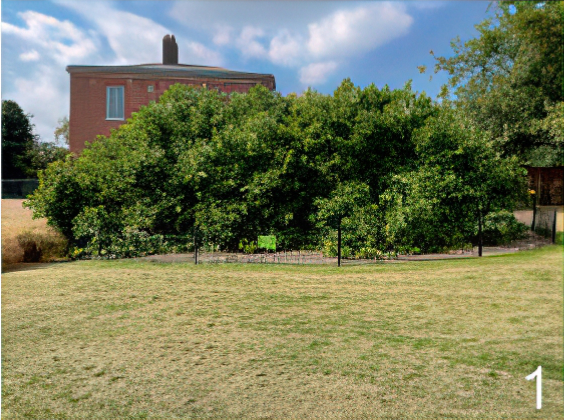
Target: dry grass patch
x,y
438,339
25,239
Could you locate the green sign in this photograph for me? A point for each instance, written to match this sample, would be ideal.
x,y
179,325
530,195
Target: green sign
x,y
268,242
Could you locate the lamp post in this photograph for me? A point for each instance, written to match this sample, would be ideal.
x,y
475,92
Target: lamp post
x,y
195,245
339,245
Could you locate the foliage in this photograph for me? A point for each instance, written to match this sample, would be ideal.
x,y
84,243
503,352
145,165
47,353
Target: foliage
x,y
347,199
17,141
248,247
501,228
232,167
459,181
61,133
23,155
42,154
509,79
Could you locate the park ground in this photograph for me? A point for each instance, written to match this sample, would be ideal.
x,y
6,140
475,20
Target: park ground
x,y
430,339
421,339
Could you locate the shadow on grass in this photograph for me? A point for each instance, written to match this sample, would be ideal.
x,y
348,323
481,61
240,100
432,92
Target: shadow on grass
x,y
10,268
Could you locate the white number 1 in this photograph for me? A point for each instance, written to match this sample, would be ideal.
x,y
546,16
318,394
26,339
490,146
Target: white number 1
x,y
537,374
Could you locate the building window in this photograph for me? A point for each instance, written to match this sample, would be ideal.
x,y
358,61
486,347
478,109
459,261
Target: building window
x,y
114,103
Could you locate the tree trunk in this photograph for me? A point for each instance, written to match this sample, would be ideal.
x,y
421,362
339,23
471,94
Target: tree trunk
x,y
339,245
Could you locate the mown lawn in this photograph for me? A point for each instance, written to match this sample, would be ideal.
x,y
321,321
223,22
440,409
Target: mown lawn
x,y
436,339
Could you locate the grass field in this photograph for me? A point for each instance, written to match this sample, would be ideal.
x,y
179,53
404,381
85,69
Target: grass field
x,y
436,339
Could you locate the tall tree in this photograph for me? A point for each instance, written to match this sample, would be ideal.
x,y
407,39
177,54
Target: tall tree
x,y
18,141
509,78
62,131
460,180
344,201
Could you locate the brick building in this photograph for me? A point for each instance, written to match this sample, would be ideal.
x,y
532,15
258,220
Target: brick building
x,y
103,97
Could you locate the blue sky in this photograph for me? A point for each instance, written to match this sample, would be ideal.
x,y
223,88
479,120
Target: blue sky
x,y
304,44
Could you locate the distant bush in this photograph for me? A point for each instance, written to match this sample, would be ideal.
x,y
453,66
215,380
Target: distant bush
x,y
248,247
41,246
502,227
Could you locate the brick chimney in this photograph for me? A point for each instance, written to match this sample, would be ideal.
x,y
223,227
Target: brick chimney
x,y
170,50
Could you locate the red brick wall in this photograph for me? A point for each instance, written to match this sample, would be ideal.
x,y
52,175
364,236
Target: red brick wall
x,y
88,101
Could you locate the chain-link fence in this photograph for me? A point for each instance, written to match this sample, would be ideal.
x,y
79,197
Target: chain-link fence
x,y
18,188
547,221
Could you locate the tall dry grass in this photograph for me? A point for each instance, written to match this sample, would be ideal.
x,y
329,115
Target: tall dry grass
x,y
25,239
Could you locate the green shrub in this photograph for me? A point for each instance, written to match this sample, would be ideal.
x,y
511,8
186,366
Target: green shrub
x,y
329,246
346,252
330,249
368,253
501,228
248,247
408,250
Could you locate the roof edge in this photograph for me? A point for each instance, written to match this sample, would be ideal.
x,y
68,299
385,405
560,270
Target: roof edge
x,y
164,68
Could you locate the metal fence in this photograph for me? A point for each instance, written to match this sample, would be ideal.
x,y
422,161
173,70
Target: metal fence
x,y
287,257
548,222
18,188
280,257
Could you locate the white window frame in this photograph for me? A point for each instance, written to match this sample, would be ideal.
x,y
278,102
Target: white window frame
x,y
108,103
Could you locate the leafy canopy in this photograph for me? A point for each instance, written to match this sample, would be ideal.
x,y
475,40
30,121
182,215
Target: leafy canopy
x,y
509,79
17,141
22,152
235,167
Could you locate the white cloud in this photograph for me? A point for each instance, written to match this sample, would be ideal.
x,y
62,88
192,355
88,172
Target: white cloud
x,y
45,95
222,35
61,40
136,39
317,72
29,56
248,43
307,36
359,30
42,88
313,37
285,49
274,15
50,44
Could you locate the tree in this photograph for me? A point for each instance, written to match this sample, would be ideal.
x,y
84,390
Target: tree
x,y
347,199
236,167
509,78
460,180
18,141
62,131
42,154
